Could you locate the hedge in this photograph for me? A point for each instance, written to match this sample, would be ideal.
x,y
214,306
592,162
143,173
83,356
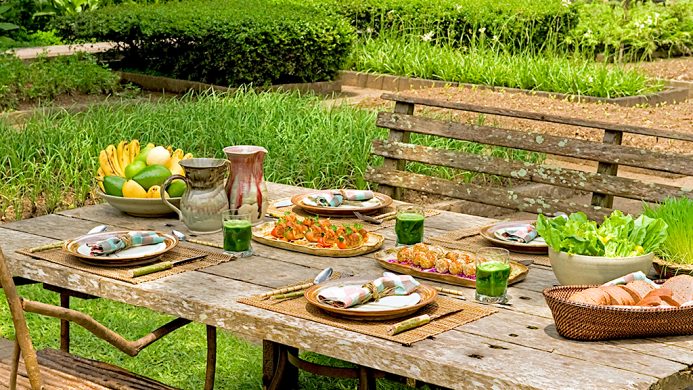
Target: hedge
x,y
514,23
225,42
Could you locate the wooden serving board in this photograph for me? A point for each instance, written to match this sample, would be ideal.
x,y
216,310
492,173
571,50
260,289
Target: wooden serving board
x,y
261,234
518,272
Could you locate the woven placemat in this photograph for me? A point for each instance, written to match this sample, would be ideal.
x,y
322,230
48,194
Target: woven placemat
x,y
181,251
463,313
386,214
470,239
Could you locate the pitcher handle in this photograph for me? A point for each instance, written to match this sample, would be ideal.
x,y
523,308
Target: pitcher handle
x,y
163,193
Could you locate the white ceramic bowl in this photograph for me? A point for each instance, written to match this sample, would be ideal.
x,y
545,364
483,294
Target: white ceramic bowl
x,y
140,207
579,269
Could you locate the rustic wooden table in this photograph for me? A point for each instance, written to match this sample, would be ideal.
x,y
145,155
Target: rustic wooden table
x,y
517,347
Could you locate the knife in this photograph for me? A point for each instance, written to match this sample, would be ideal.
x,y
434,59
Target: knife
x,y
162,266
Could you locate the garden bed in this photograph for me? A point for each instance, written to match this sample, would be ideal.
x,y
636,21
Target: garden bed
x,y
670,94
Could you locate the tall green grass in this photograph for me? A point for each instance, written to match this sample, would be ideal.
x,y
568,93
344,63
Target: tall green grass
x,y
50,162
678,214
484,63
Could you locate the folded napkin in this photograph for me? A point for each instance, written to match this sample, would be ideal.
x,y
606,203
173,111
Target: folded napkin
x,y
348,296
118,243
337,197
523,234
631,277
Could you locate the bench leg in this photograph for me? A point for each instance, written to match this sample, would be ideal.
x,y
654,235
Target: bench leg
x,y
277,373
366,379
65,324
211,357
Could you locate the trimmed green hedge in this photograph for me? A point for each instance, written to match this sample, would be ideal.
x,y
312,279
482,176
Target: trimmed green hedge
x,y
516,23
226,42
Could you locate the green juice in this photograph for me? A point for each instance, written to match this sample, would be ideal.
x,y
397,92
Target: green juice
x,y
409,228
492,278
237,235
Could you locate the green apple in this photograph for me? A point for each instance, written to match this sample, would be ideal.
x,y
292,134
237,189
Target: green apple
x,y
134,168
144,152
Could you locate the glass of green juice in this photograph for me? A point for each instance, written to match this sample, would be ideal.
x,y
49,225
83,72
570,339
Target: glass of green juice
x,y
492,274
409,224
237,229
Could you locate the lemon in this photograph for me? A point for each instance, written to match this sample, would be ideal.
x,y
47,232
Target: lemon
x,y
113,185
131,189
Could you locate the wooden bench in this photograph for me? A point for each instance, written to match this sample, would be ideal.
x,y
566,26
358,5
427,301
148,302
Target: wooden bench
x,y
604,184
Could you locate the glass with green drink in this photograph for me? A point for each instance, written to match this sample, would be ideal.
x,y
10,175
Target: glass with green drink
x,y
409,225
237,229
492,274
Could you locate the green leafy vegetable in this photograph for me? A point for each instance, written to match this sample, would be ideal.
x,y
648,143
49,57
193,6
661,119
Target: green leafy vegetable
x,y
618,236
678,214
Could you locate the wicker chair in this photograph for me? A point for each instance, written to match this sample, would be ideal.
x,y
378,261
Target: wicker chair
x,y
53,369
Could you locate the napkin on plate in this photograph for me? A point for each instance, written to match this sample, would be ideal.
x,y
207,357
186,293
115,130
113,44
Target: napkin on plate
x,y
118,243
352,295
336,197
522,233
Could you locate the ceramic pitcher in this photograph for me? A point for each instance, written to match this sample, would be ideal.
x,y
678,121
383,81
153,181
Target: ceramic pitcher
x,y
204,198
246,187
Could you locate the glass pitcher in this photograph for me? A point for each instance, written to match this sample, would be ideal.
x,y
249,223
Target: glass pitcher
x,y
246,187
204,198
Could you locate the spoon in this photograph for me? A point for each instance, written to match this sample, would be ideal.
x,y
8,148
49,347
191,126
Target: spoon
x,y
297,291
182,237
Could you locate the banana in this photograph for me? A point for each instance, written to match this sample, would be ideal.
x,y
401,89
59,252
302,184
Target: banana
x,y
187,156
105,164
178,154
112,154
101,186
134,149
119,152
124,154
170,149
99,174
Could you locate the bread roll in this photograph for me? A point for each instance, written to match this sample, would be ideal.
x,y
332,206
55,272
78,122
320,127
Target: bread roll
x,y
619,296
641,286
633,293
654,297
681,287
591,296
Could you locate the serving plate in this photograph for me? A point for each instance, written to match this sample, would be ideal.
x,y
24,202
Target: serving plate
x,y
387,259
261,234
140,207
533,247
343,210
128,257
426,293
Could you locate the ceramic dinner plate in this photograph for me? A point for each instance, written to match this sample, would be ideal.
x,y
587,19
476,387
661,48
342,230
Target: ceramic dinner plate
x,y
492,233
132,256
386,308
378,202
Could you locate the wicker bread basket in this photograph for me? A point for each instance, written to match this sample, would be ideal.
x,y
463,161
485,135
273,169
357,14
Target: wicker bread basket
x,y
579,321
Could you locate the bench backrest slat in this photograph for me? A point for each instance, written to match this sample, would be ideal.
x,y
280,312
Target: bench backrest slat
x,y
661,133
561,177
537,142
472,192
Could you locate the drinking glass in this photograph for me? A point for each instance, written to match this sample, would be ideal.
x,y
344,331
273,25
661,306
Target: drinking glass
x,y
409,224
237,228
492,274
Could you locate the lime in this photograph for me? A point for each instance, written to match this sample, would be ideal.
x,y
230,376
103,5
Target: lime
x,y
113,185
153,175
176,188
133,190
134,168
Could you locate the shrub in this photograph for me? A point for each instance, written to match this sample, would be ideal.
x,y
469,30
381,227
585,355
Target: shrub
x,y
515,23
222,42
46,78
637,34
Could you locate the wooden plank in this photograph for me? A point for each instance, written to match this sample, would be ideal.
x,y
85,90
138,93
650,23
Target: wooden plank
x,y
602,199
537,142
393,163
475,193
567,178
662,133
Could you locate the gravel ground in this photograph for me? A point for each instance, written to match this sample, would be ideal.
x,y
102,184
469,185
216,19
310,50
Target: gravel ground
x,y
680,69
678,117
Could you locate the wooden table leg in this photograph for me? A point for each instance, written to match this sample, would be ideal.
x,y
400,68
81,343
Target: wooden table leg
x,y
65,324
366,378
277,373
211,357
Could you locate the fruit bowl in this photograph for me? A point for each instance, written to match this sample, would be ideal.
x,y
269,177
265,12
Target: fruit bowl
x,y
140,207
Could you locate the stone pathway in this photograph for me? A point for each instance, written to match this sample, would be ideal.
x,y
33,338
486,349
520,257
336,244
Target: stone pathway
x,y
61,50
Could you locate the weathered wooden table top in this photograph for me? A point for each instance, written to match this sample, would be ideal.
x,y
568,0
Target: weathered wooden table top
x,y
515,348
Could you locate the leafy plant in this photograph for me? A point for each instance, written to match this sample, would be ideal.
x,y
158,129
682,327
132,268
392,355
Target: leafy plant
x,y
222,42
5,26
618,236
678,214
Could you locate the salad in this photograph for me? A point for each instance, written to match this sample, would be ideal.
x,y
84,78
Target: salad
x,y
618,236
